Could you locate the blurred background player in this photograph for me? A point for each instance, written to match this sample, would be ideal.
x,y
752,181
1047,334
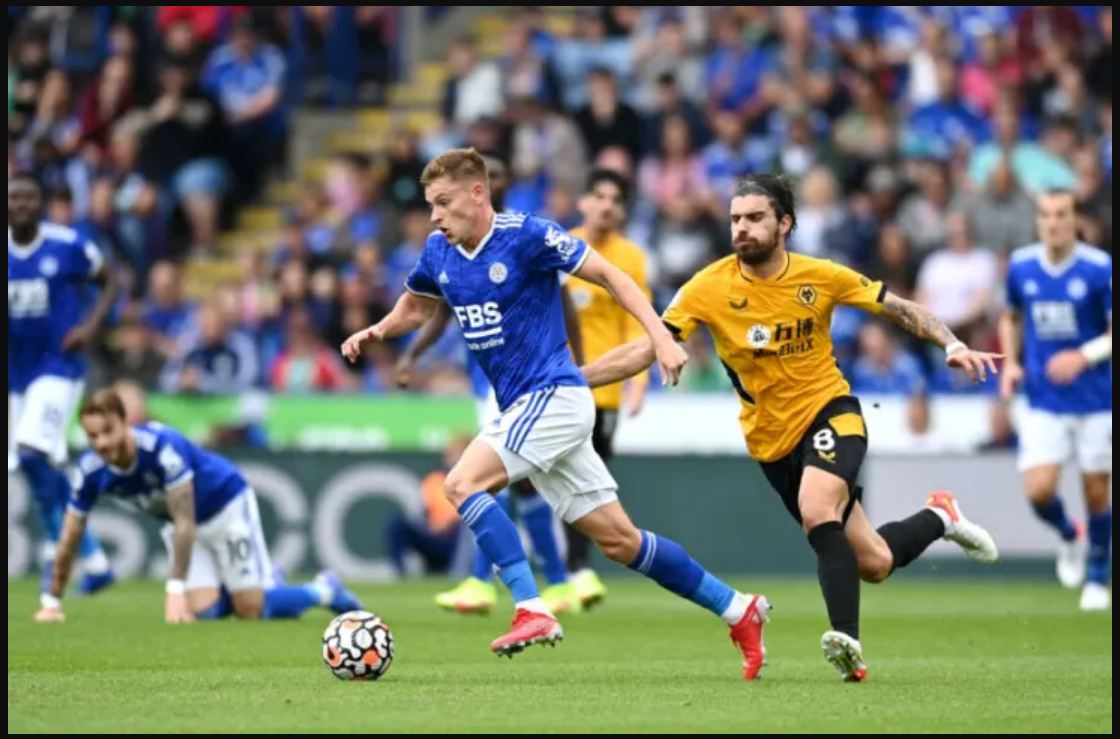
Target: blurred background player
x,y
603,325
477,594
1059,318
219,560
434,538
49,327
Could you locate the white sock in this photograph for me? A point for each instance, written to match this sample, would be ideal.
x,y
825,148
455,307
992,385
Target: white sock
x,y
324,591
536,605
736,609
96,563
943,516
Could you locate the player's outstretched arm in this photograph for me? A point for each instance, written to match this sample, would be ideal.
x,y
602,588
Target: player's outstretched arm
x,y
50,606
409,314
671,356
428,335
180,506
620,363
923,324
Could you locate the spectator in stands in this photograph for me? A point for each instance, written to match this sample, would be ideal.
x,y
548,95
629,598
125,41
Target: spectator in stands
x,y
1035,168
434,535
1094,200
893,262
606,120
673,182
957,283
128,354
882,367
181,155
1000,216
247,77
170,316
307,364
474,88
219,361
923,215
671,99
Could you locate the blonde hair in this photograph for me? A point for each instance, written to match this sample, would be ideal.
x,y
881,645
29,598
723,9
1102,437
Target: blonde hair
x,y
458,164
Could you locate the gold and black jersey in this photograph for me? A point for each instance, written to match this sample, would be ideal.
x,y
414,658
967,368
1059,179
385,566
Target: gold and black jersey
x,y
773,338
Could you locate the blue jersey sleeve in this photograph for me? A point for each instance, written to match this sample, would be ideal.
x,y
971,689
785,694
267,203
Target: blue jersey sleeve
x,y
84,260
1106,289
83,491
173,460
550,247
421,280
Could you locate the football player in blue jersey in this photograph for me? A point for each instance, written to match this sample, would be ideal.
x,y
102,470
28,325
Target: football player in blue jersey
x,y
498,274
219,560
49,269
1059,317
477,594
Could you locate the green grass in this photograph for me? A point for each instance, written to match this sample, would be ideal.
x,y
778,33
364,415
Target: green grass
x,y
943,656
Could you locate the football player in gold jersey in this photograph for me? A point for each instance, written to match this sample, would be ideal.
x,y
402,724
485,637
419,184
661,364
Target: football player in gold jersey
x,y
603,325
769,311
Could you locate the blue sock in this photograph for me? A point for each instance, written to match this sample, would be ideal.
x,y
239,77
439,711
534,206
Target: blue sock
x,y
536,514
1054,513
289,601
497,538
668,564
221,608
1100,545
482,568
45,482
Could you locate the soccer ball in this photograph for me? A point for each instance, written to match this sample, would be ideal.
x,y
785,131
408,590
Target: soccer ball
x,y
358,645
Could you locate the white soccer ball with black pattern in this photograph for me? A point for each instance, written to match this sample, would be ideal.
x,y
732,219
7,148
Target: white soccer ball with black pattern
x,y
358,645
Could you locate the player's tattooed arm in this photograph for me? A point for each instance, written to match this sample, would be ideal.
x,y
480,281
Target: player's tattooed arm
x,y
923,324
73,525
917,320
180,506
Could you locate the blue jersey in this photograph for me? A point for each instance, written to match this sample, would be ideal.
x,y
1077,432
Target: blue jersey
x,y
1062,307
46,284
480,384
164,460
506,297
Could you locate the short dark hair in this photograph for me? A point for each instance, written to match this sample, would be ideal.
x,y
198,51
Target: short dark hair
x,y
600,175
62,192
775,188
105,402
